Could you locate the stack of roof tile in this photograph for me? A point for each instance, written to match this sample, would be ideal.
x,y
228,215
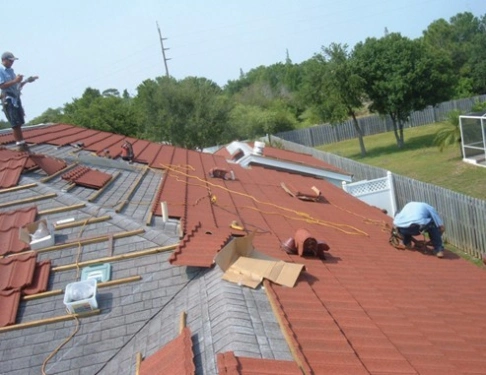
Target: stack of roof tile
x,y
20,274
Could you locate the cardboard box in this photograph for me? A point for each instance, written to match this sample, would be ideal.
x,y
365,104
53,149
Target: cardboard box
x,y
244,265
26,232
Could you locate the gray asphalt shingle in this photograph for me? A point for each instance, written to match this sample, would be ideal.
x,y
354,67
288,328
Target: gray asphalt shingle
x,y
140,316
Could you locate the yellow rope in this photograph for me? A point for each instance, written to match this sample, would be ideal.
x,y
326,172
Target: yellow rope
x,y
385,227
55,351
78,258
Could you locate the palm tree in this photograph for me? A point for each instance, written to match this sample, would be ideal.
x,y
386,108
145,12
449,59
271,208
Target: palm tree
x,y
450,132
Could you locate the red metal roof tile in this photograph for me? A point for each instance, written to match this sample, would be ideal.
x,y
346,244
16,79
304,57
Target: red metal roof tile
x,y
14,156
10,171
87,177
40,278
9,304
256,200
229,364
59,135
368,304
176,357
94,179
17,218
113,146
10,222
199,246
17,272
48,164
10,242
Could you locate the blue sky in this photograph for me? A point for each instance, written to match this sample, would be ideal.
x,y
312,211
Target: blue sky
x,y
72,45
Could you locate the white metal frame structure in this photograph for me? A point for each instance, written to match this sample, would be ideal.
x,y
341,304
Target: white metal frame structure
x,y
473,138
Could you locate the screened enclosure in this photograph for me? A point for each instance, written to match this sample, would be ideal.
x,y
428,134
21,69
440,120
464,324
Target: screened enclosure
x,y
473,137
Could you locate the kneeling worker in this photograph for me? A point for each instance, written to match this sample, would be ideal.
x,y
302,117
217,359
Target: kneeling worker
x,y
418,217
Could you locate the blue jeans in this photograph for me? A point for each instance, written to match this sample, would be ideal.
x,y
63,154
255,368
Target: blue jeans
x,y
414,230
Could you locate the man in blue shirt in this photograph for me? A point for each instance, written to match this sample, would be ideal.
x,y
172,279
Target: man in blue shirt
x,y
418,217
11,85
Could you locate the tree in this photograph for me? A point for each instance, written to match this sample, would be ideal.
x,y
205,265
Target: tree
x,y
450,132
335,89
265,85
402,76
111,92
462,40
107,113
477,59
49,115
250,122
191,113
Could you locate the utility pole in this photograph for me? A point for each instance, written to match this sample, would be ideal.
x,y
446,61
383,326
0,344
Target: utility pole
x,y
163,50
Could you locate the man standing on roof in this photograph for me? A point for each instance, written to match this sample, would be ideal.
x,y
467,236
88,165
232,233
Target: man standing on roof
x,y
11,85
418,217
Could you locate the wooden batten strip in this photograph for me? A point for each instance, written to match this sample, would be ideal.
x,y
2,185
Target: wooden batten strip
x,y
135,186
56,319
136,254
89,241
79,223
100,191
293,346
62,209
70,187
182,322
148,222
54,175
99,285
28,200
17,188
138,363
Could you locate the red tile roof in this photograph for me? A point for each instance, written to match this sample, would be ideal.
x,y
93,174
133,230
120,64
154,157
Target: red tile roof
x,y
20,274
87,177
367,309
13,163
17,272
48,164
9,303
10,222
40,278
229,364
176,357
10,171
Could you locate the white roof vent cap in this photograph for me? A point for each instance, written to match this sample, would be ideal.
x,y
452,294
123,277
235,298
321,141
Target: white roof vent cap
x,y
258,148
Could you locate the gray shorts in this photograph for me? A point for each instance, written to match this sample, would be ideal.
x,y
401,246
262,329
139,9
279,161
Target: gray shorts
x,y
15,115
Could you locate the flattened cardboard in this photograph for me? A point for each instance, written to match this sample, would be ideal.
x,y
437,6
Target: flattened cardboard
x,y
244,265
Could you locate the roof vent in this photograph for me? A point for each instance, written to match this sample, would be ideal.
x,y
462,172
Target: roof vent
x,y
258,148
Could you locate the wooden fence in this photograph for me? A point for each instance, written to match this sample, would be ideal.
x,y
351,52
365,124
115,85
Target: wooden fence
x,y
464,217
324,134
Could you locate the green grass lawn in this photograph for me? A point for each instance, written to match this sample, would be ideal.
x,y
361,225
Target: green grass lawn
x,y
418,159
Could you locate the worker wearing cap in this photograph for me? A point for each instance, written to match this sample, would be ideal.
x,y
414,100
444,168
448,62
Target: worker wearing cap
x,y
418,217
11,84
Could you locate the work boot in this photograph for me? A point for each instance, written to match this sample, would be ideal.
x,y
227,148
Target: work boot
x,y
439,254
23,147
